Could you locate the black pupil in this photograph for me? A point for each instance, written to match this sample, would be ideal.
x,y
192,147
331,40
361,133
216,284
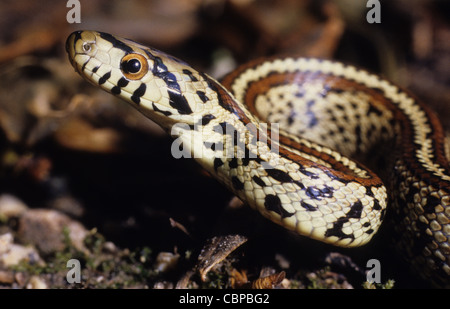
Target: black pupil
x,y
132,66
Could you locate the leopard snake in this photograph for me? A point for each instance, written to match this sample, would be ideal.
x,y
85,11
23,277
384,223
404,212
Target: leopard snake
x,y
300,175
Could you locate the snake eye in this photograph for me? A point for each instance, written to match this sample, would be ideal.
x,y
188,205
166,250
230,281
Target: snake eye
x,y
87,47
134,66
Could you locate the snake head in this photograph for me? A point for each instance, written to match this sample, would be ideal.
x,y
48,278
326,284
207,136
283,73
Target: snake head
x,y
164,88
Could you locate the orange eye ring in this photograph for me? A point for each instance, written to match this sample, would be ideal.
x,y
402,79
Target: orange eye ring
x,y
134,66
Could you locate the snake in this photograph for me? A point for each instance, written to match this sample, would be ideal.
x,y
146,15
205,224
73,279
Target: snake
x,y
287,134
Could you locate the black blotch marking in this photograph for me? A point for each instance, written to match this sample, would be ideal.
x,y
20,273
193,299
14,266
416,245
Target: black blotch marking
x,y
308,207
217,163
299,94
309,174
236,137
376,205
355,210
432,202
176,98
374,110
123,82
84,66
115,42
138,93
211,84
115,90
156,109
259,181
190,75
335,90
94,70
340,107
179,102
291,118
248,156
230,130
204,121
207,118
233,163
379,90
273,203
237,184
210,145
318,194
313,192
312,117
279,175
336,230
202,96
104,78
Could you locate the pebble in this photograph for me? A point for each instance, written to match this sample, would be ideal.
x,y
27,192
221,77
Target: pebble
x,y
11,206
11,254
44,228
36,282
166,261
6,277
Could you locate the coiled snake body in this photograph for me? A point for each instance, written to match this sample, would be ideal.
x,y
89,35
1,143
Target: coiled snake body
x,y
300,176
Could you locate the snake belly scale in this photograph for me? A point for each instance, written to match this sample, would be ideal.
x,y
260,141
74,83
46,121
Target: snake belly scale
x,y
299,176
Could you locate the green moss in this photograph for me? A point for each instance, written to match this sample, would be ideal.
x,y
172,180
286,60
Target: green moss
x,y
216,279
101,267
389,284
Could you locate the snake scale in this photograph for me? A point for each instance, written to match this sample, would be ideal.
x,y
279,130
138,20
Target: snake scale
x,y
287,152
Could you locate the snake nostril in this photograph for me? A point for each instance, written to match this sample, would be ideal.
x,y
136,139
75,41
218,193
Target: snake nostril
x,y
87,47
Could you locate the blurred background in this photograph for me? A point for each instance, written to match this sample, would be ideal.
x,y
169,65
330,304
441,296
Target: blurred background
x,y
69,148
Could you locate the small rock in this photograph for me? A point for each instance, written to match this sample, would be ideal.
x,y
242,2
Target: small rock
x,y
166,261
45,229
5,242
21,278
163,285
11,254
11,206
6,277
109,247
36,283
